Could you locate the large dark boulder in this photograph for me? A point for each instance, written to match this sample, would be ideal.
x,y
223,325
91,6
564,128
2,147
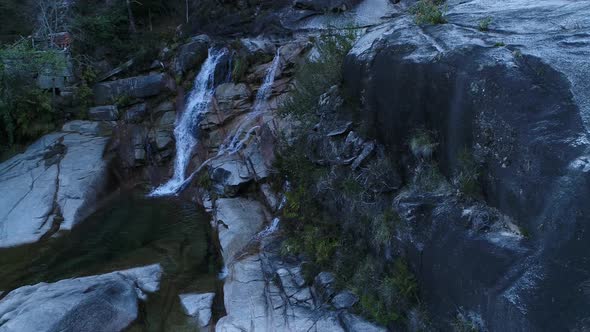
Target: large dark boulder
x,y
133,87
517,98
191,54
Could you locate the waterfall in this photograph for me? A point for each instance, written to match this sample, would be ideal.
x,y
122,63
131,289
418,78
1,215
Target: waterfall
x,y
235,143
270,229
197,103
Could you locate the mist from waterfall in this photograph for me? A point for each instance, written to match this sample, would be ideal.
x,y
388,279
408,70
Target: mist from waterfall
x,y
185,131
236,141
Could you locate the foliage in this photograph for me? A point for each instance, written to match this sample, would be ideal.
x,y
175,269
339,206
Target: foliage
x,y
83,94
463,324
428,177
383,228
204,181
383,299
240,66
467,174
484,24
429,12
15,17
315,76
422,144
95,23
25,111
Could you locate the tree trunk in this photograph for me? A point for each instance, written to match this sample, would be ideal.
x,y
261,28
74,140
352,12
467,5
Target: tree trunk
x,y
186,2
131,19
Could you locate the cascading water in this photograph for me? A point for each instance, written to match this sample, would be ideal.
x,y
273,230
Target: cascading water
x,y
197,103
262,95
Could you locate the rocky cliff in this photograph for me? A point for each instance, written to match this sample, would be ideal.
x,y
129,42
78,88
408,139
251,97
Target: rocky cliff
x,y
365,169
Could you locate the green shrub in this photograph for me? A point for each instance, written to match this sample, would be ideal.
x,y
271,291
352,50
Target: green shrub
x,y
467,174
484,24
383,228
422,144
26,112
428,177
240,67
428,12
404,282
314,77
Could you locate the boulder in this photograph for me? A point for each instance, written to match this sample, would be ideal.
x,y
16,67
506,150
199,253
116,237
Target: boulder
x,y
94,128
344,300
166,106
191,54
231,100
106,302
323,286
136,113
133,87
258,45
163,139
229,173
237,221
167,121
52,185
198,306
352,322
253,304
103,113
516,99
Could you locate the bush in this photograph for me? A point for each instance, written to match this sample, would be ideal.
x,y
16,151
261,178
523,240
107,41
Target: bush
x,y
484,24
383,228
314,77
467,175
422,144
428,12
26,111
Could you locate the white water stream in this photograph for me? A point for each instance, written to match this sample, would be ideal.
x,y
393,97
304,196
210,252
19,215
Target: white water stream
x,y
184,132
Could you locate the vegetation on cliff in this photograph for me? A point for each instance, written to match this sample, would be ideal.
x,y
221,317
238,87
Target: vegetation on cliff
x,y
331,219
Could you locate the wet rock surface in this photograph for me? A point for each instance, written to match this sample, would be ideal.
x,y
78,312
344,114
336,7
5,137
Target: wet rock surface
x,y
106,302
53,184
133,87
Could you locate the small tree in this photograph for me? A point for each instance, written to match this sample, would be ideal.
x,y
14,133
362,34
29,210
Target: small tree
x,y
25,110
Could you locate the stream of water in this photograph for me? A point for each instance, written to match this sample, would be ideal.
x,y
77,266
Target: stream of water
x,y
184,133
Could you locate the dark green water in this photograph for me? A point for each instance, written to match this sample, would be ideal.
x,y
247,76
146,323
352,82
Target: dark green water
x,y
128,231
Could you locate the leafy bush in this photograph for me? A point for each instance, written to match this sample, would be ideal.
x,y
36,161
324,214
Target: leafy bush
x,y
25,111
315,76
383,228
484,24
429,12
108,25
467,175
422,144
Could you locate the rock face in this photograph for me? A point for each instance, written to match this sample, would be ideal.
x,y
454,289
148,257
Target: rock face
x,y
106,302
191,54
133,87
103,113
52,185
237,220
198,306
516,98
261,292
231,100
